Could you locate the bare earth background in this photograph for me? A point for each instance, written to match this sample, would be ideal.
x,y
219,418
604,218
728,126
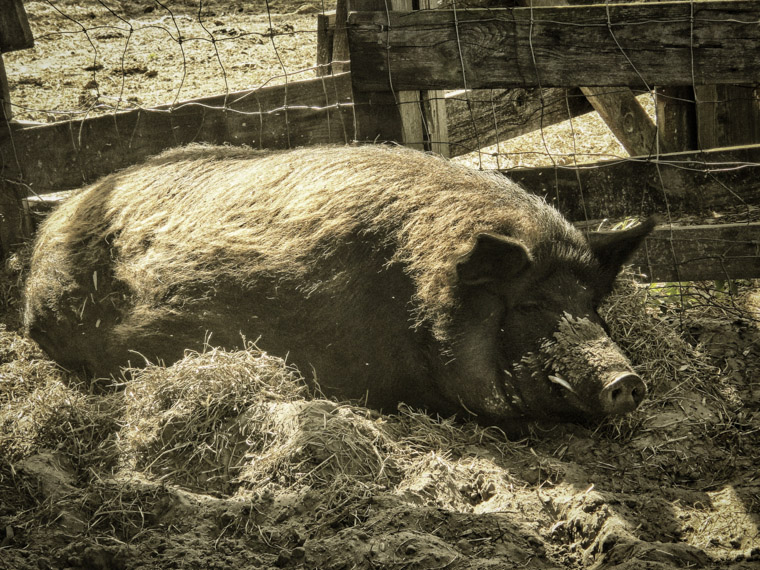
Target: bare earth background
x,y
220,461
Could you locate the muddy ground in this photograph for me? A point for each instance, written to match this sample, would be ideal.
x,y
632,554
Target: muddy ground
x,y
221,461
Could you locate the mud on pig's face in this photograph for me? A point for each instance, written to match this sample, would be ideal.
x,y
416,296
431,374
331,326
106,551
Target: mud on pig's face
x,y
557,360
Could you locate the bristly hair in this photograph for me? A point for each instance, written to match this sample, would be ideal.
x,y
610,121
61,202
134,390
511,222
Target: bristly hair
x,y
192,214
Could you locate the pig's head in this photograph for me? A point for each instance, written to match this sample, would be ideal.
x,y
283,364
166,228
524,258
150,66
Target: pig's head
x,y
531,344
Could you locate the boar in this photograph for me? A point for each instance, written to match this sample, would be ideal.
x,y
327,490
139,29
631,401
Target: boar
x,y
384,274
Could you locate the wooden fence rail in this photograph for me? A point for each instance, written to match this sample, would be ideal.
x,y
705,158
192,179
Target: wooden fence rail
x,y
637,45
701,253
68,154
681,184
490,51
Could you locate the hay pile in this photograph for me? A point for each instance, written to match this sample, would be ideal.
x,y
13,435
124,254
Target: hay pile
x,y
220,477
223,461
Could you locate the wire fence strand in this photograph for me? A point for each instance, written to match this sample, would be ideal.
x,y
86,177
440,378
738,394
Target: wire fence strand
x,y
164,58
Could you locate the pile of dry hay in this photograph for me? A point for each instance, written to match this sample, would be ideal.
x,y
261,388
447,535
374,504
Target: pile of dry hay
x,y
221,459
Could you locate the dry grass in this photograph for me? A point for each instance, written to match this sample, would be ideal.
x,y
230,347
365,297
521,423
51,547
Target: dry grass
x,y
195,422
231,440
221,460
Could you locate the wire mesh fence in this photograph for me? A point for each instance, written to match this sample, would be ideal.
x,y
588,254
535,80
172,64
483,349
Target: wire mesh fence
x,y
104,57
112,81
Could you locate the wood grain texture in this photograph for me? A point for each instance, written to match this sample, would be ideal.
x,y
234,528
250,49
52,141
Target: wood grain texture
x,y
340,54
626,118
481,118
688,183
60,156
325,39
728,114
419,121
676,118
15,223
436,124
700,253
15,33
617,107
634,45
410,102
6,109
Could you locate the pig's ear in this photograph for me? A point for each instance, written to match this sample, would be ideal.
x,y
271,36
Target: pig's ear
x,y
493,257
613,249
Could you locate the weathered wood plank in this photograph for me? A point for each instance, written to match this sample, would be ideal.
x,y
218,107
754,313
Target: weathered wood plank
x,y
435,125
325,39
688,183
340,53
382,114
377,116
728,115
436,122
701,253
626,118
68,154
6,109
14,222
676,118
419,121
15,33
636,45
481,118
409,102
618,108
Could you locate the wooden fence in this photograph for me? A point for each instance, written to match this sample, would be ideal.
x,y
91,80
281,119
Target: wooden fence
x,y
704,46
414,78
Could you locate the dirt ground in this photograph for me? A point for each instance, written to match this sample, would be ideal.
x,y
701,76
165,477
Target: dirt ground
x,y
221,461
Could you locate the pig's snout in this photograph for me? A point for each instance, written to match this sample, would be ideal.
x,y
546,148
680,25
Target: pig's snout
x,y
623,394
584,360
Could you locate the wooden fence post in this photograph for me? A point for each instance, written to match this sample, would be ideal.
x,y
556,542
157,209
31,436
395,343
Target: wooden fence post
x,y
376,113
618,108
340,54
727,115
676,118
708,116
434,120
415,118
5,94
423,113
15,34
325,38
